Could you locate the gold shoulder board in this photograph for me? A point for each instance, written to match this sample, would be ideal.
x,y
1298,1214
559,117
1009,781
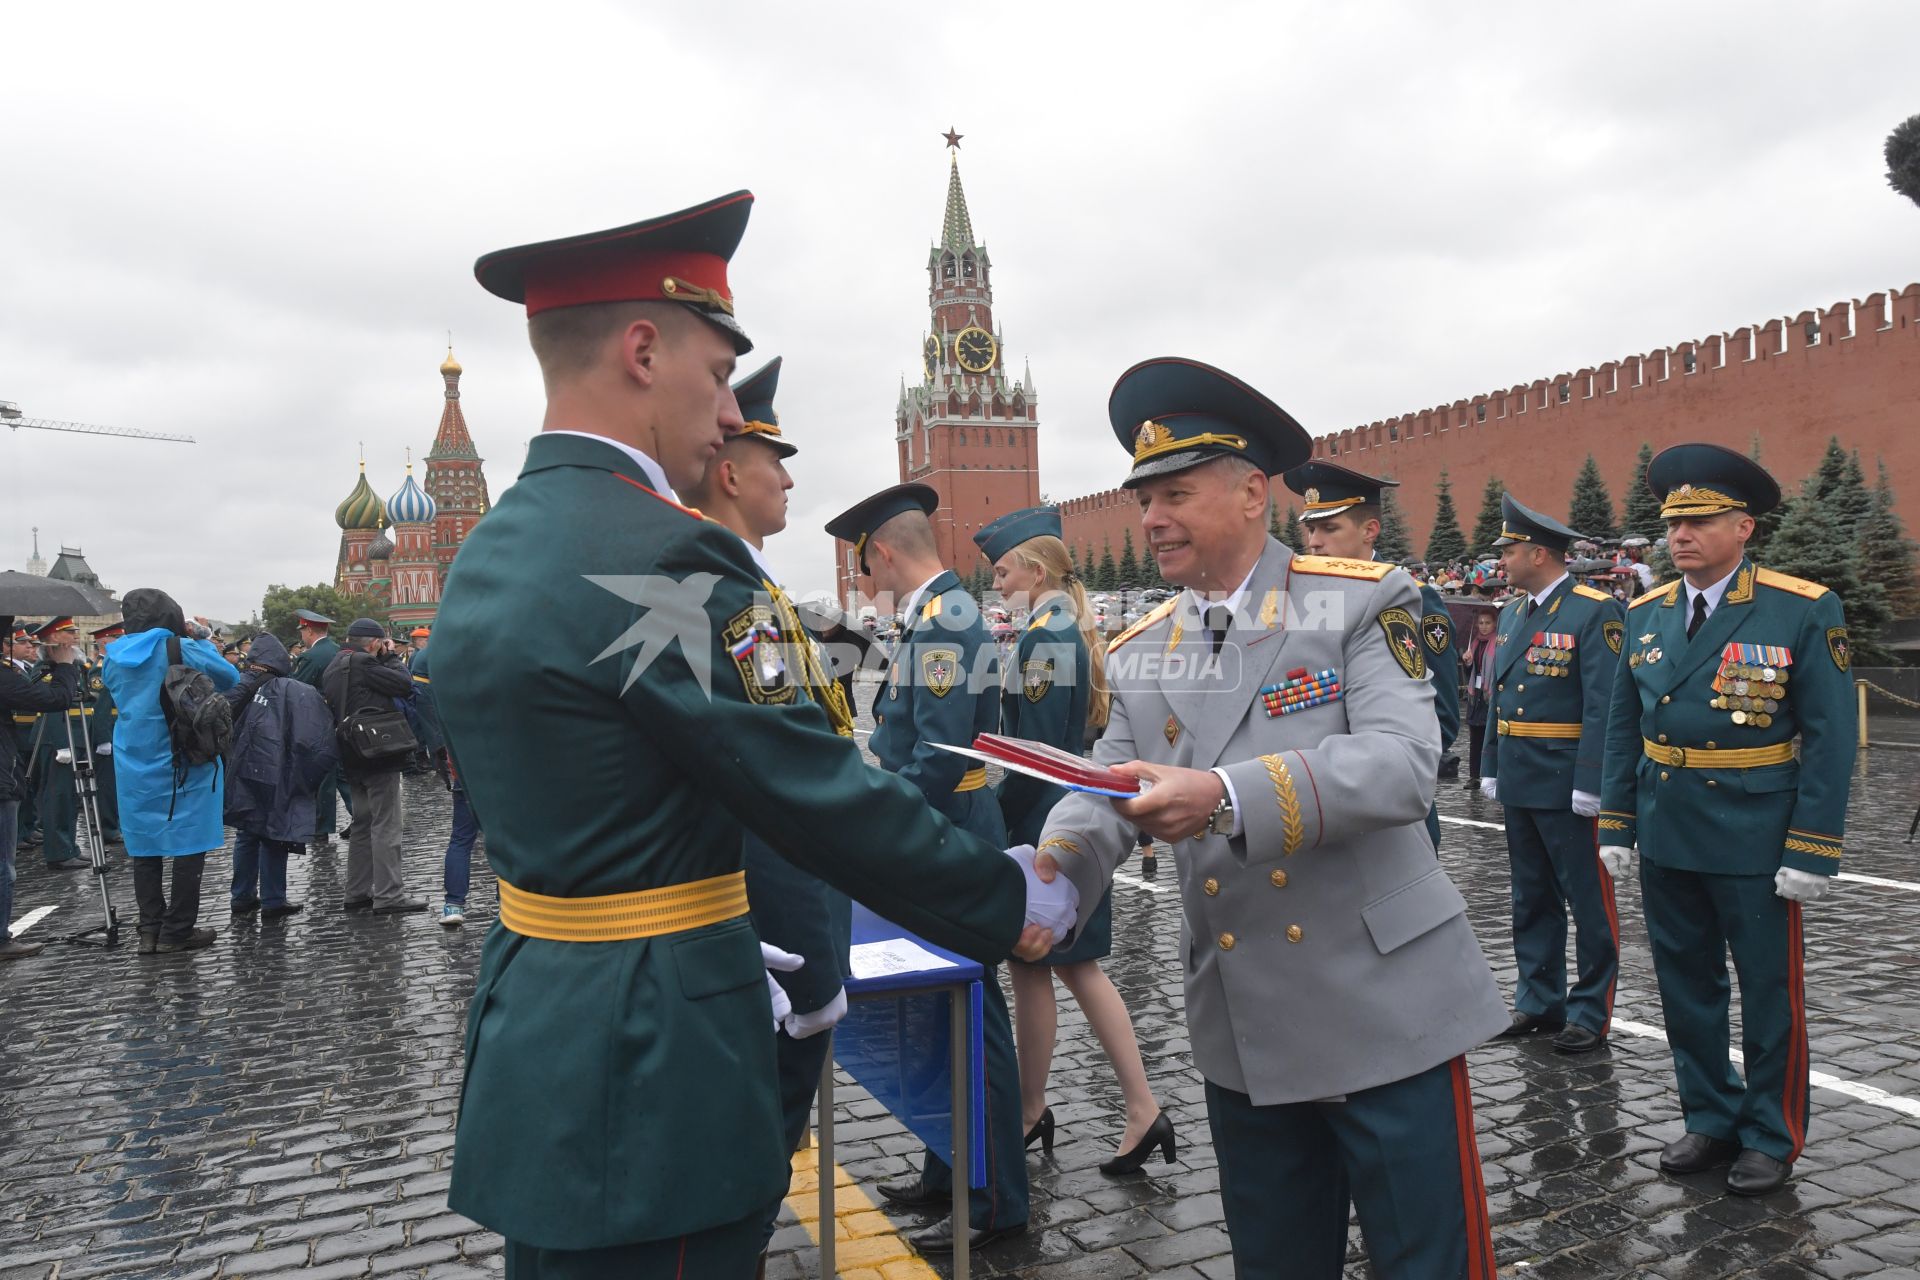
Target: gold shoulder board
x,y
1160,611
1782,582
1334,567
1591,593
1657,593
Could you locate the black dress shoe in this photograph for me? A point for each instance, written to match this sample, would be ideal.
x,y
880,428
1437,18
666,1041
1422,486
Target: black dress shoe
x,y
198,940
938,1238
245,906
282,911
1159,1136
1755,1173
1696,1153
357,904
399,906
912,1193
1575,1038
68,864
1530,1024
1042,1132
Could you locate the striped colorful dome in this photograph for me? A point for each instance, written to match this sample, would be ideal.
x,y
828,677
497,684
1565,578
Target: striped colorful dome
x,y
362,508
410,503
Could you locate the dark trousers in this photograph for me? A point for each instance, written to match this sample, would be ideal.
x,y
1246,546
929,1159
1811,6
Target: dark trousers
x,y
334,792
727,1252
1476,744
373,851
1693,920
1402,1154
28,824
106,795
260,869
9,816
59,807
174,920
459,864
1555,856
1003,1201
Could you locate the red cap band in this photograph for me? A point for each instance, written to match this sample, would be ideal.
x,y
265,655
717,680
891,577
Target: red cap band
x,y
622,276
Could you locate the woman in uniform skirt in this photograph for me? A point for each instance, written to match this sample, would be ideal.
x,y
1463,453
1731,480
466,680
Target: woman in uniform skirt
x,y
1054,688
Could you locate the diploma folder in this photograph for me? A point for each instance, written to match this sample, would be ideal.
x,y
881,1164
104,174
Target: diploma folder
x,y
1049,764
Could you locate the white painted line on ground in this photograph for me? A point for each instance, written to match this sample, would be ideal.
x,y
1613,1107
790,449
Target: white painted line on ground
x,y
1873,1097
1138,883
1878,881
30,919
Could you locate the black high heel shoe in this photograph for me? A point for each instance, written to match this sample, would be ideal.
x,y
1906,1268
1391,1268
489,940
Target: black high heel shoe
x,y
1159,1134
1043,1130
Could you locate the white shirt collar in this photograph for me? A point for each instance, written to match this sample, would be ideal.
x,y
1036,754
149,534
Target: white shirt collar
x,y
760,558
1200,604
1712,593
906,612
1540,597
655,476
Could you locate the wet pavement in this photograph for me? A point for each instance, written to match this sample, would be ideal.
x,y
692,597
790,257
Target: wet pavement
x,y
283,1104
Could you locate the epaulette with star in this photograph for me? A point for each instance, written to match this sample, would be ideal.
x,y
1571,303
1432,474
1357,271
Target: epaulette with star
x,y
1160,611
1665,592
1336,567
1591,593
1782,582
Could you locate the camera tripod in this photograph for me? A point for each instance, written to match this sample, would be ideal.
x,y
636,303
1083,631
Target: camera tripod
x,y
86,792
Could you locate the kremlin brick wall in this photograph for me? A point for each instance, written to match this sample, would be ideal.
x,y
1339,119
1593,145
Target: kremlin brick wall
x,y
1850,370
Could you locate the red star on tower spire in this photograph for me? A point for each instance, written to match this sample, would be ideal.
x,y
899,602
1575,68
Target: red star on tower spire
x,y
953,139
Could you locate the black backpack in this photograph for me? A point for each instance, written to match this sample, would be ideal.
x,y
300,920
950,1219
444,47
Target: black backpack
x,y
199,721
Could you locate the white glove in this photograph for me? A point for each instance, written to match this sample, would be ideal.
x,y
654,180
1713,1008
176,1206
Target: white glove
x,y
1800,886
1586,804
1490,788
63,756
802,1025
1051,906
1617,859
104,749
786,962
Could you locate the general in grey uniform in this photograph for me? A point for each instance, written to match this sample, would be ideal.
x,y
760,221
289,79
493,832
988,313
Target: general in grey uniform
x,y
1333,983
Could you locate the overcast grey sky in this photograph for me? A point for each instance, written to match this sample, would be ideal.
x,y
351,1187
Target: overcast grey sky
x,y
254,224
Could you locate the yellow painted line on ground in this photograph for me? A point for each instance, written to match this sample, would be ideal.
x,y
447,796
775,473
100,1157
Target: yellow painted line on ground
x,y
867,1246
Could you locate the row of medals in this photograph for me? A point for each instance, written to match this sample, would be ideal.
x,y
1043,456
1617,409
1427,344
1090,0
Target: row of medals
x,y
1752,693
1542,661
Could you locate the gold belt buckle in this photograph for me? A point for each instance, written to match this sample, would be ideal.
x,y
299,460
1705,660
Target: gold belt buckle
x,y
1679,757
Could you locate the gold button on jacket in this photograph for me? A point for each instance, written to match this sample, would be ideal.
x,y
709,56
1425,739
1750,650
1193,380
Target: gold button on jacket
x,y
1295,933
1279,879
1226,942
1211,886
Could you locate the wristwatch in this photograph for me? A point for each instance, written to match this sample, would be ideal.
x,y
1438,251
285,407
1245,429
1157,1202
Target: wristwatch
x,y
1220,821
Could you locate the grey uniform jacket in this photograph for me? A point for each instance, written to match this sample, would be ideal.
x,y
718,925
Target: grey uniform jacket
x,y
1324,949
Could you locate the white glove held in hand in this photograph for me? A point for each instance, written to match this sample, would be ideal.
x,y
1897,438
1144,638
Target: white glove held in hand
x,y
1490,788
63,756
1586,804
1800,886
786,962
104,749
1617,859
802,1025
1051,906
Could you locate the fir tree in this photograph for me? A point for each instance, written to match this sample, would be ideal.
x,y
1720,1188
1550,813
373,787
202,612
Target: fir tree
x,y
1840,492
1447,543
1487,526
1763,526
1643,509
1129,563
1107,575
1287,529
1806,545
1394,543
1903,158
1592,511
1888,551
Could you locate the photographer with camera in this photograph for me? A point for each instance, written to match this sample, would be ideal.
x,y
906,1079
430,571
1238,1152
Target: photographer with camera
x,y
360,685
19,694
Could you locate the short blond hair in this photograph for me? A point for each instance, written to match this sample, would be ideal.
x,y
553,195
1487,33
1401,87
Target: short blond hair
x,y
567,340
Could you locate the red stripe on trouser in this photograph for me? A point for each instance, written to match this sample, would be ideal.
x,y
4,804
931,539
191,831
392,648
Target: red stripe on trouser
x,y
1473,1190
1613,924
680,1266
1793,1091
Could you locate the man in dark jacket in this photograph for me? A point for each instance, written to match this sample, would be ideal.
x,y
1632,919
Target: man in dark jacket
x,y
368,675
317,652
283,745
19,694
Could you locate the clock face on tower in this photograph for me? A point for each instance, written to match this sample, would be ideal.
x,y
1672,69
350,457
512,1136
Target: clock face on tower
x,y
975,349
932,354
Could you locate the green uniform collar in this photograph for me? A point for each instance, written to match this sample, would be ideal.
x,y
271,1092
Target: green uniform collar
x,y
550,450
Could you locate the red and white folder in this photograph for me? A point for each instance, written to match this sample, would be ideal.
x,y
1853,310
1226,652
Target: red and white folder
x,y
1049,764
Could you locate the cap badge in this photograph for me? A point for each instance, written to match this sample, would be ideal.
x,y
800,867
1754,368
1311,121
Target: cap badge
x,y
1151,436
1311,495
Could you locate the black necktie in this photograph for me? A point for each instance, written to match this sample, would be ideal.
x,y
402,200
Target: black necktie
x,y
1699,614
1532,604
1219,620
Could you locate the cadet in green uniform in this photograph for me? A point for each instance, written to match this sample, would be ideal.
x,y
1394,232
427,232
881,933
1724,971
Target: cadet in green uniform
x,y
56,737
1553,683
620,1114
321,651
101,714
745,489
1054,686
25,657
1721,671
1342,518
941,687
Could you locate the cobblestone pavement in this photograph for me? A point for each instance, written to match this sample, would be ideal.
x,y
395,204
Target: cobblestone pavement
x,y
283,1104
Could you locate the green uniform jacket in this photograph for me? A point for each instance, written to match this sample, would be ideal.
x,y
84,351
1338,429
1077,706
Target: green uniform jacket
x,y
1733,821
1575,639
1045,700
622,1092
313,663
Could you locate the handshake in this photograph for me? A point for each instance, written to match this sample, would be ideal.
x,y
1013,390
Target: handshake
x,y
1053,904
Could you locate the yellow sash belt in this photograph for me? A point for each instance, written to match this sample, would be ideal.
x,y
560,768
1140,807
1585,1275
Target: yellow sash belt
x,y
620,917
1705,758
1517,729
